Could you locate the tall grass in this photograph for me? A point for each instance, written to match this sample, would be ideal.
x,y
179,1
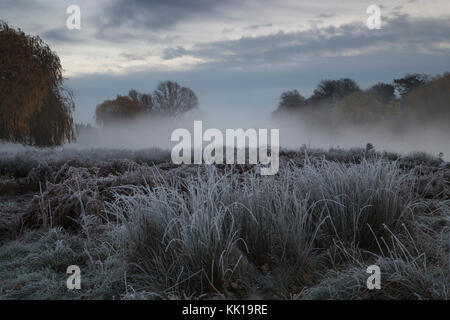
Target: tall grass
x,y
221,232
211,231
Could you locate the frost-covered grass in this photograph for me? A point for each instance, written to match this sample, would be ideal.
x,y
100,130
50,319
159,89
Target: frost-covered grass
x,y
34,267
20,164
203,232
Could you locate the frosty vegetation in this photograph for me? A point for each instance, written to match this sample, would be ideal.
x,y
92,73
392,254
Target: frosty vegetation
x,y
140,227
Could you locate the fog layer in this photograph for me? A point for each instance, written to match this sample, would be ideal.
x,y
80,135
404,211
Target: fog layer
x,y
294,133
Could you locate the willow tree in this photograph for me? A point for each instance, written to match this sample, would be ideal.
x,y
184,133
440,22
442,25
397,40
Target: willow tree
x,y
35,107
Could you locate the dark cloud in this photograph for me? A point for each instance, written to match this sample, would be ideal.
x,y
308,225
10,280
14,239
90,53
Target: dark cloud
x,y
156,14
400,33
258,26
123,36
18,4
63,35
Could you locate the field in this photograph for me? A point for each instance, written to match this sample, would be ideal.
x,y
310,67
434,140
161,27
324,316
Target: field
x,y
140,227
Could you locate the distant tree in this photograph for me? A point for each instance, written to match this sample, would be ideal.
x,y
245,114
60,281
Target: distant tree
x,y
133,94
333,90
290,100
385,91
315,110
35,108
168,100
85,128
364,108
87,134
121,109
172,100
429,103
144,100
409,82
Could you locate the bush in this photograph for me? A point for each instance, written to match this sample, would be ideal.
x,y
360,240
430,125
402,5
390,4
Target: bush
x,y
210,230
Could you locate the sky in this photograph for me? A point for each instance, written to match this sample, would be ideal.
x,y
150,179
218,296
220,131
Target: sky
x,y
237,55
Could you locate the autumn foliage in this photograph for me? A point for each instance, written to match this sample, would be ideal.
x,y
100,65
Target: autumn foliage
x,y
169,100
35,108
121,109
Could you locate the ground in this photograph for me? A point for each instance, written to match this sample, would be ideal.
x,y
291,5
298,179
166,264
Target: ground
x,y
140,227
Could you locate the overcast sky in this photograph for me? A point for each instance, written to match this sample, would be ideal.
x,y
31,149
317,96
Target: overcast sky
x,y
237,55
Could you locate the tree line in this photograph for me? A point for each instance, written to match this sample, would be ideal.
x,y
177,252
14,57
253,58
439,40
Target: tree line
x,y
408,102
168,100
36,108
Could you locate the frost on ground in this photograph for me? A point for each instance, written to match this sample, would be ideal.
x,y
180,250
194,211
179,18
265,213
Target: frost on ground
x,y
142,228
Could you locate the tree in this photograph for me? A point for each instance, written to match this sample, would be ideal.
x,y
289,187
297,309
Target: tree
x,y
144,100
317,108
123,108
133,94
51,123
385,91
290,100
363,108
172,100
429,104
35,108
409,82
168,100
333,90
86,129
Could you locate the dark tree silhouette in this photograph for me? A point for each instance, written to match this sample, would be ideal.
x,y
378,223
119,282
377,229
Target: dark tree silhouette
x,y
172,100
385,91
168,100
144,100
422,100
290,100
333,90
134,95
52,122
409,82
35,108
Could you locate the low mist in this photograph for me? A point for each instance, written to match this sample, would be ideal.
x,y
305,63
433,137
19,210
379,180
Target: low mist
x,y
294,133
